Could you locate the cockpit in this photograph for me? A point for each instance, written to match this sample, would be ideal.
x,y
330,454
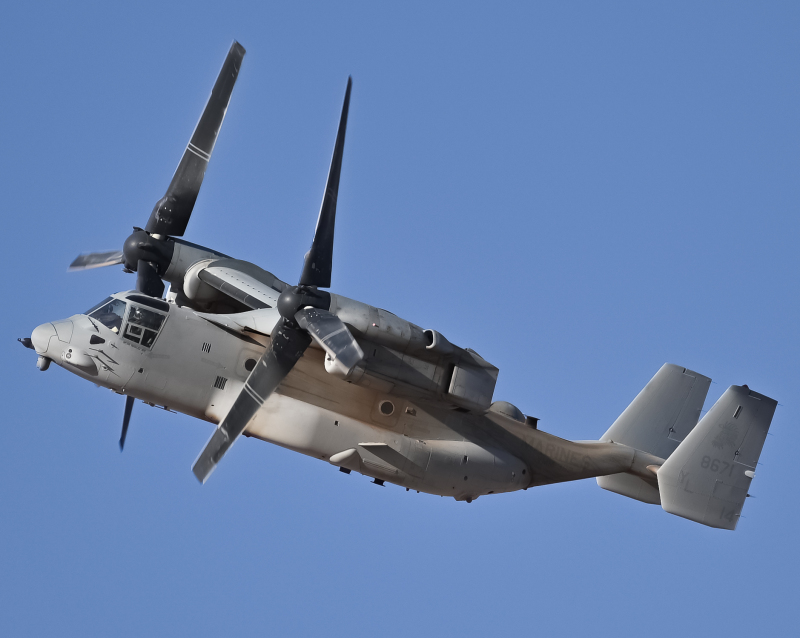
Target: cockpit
x,y
110,312
130,318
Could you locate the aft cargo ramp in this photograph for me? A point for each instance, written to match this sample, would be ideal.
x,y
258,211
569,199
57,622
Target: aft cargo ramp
x,y
707,478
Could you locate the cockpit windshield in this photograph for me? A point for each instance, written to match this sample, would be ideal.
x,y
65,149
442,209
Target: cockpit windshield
x,y
139,325
143,326
109,312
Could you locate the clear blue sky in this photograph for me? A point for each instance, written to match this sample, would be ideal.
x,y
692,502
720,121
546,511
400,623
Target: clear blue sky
x,y
578,191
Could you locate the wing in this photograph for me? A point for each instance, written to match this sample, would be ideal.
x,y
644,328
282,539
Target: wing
x,y
245,282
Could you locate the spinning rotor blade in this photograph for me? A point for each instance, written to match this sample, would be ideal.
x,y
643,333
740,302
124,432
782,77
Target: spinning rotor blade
x,y
332,335
319,258
171,214
96,260
287,346
125,421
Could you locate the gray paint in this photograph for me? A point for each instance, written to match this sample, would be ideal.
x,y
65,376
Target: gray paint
x,y
421,445
663,413
707,478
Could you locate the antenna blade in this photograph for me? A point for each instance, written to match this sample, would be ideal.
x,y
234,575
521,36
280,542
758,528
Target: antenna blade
x,y
319,259
171,213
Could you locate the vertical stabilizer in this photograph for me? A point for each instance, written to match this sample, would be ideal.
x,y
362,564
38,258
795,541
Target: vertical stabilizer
x,y
663,413
707,478
656,421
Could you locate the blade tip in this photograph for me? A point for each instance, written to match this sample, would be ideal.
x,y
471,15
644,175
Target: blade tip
x,y
202,471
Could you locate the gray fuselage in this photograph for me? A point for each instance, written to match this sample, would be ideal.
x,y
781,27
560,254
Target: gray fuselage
x,y
198,368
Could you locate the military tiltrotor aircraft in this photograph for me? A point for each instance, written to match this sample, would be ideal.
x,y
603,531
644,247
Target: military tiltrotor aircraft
x,y
363,389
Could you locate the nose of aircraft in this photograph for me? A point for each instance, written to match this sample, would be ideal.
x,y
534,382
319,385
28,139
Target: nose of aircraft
x,y
41,337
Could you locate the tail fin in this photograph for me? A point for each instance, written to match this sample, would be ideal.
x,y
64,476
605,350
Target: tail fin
x,y
706,479
662,414
656,421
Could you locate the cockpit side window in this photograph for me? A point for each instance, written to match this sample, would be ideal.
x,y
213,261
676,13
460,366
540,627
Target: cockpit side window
x,y
143,326
110,313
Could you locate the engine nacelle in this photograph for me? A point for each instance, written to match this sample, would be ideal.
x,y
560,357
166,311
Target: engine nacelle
x,y
437,343
421,359
194,288
380,326
185,256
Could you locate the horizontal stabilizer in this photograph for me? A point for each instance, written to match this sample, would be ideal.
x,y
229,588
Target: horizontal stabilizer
x,y
707,478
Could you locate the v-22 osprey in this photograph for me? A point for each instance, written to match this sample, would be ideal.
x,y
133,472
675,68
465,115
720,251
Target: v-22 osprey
x,y
359,387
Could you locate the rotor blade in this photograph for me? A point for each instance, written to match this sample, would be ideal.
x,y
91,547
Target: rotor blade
x,y
147,279
319,259
126,420
332,335
287,346
96,260
171,214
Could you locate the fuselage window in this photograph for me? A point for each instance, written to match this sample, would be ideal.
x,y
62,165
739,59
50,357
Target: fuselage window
x,y
143,326
109,313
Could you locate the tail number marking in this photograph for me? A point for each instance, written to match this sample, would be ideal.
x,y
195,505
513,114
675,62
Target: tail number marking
x,y
715,465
